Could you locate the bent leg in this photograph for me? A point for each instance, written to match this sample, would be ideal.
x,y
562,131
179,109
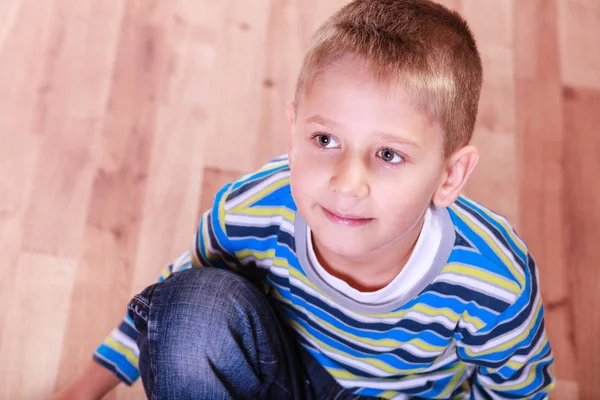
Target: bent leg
x,y
209,333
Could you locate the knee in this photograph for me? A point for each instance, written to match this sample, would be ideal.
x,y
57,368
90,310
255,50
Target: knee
x,y
205,295
198,314
206,326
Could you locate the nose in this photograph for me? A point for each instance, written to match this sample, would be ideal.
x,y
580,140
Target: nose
x,y
350,178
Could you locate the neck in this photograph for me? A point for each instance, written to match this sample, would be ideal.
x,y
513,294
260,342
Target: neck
x,y
374,270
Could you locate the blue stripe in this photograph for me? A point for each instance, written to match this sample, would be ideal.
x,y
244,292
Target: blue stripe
x,y
482,245
476,210
243,185
131,332
117,363
242,233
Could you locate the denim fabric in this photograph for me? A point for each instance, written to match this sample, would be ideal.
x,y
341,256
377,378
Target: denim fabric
x,y
207,333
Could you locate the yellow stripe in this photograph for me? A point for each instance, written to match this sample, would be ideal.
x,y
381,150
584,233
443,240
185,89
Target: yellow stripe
x,y
165,274
511,343
341,374
206,240
370,361
112,343
252,176
271,166
472,320
222,208
423,309
451,386
494,246
195,260
419,343
268,212
484,276
518,365
508,229
296,274
260,255
264,192
518,386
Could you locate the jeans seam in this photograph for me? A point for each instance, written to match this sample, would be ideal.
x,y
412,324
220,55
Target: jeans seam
x,y
283,389
151,341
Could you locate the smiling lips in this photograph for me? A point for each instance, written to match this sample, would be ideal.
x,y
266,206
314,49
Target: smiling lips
x,y
347,220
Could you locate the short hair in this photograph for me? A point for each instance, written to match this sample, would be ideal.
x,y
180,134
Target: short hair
x,y
424,46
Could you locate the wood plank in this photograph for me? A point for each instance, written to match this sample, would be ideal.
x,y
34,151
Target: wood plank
x,y
579,23
540,140
113,223
174,178
582,167
494,180
566,390
72,95
285,43
36,325
240,55
214,180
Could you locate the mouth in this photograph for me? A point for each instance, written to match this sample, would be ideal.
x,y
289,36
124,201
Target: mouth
x,y
345,219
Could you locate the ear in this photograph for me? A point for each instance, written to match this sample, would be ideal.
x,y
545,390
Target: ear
x,y
457,170
291,117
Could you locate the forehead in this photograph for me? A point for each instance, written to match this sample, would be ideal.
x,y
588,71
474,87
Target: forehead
x,y
349,93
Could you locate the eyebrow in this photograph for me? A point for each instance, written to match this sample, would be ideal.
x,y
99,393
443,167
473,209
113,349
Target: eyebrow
x,y
390,137
321,120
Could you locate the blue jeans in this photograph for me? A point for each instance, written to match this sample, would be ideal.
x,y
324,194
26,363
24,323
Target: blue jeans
x,y
207,333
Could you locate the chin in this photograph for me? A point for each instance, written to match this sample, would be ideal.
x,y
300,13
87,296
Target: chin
x,y
346,247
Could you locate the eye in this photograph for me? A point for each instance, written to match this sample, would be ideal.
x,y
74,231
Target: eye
x,y
390,156
325,141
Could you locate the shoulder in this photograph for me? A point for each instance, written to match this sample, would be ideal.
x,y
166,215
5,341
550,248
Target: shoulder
x,y
492,264
258,206
488,258
488,240
269,185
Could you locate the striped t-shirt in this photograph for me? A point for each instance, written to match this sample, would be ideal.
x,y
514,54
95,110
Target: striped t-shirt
x,y
471,327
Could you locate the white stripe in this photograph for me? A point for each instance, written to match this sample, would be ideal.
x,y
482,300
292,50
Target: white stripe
x,y
265,263
126,341
478,286
423,318
123,374
287,226
208,243
487,381
256,189
183,260
469,326
252,220
507,252
504,222
368,368
395,384
512,334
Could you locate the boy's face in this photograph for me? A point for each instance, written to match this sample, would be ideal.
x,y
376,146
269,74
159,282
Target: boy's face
x,y
364,163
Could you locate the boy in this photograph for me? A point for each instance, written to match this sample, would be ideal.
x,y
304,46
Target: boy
x,y
378,279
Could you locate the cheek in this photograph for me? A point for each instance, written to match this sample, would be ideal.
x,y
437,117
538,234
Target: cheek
x,y
405,196
302,179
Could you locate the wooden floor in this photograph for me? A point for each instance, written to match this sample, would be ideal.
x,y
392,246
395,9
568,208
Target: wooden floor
x,y
120,119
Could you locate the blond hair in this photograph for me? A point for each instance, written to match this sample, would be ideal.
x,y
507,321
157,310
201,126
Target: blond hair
x,y
424,46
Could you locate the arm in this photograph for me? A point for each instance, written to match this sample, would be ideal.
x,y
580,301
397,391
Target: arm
x,y
94,382
511,354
